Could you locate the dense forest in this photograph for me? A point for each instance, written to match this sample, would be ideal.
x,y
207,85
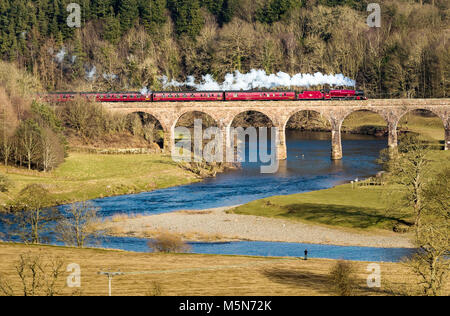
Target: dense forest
x,y
130,44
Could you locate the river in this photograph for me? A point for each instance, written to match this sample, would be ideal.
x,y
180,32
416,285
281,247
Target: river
x,y
307,168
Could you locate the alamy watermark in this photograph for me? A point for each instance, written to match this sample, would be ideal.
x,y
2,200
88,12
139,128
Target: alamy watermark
x,y
74,18
374,19
374,279
74,278
215,145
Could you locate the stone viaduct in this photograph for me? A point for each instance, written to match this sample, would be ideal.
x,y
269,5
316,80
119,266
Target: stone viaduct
x,y
280,112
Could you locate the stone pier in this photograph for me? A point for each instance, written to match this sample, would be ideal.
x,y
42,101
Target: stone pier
x,y
392,135
281,143
336,141
279,112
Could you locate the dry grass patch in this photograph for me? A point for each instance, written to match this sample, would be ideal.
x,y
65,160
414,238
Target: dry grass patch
x,y
118,218
195,212
204,275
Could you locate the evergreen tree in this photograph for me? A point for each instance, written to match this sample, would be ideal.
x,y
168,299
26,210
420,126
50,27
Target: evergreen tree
x,y
129,12
187,17
228,11
101,8
274,10
42,17
152,13
78,56
222,9
111,30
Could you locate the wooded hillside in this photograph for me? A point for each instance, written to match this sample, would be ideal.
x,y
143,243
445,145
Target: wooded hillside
x,y
130,44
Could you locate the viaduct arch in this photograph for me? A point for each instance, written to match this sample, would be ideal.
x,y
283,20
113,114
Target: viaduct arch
x,y
168,114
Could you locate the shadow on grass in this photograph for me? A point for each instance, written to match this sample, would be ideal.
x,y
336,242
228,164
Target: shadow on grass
x,y
311,281
341,215
319,283
166,162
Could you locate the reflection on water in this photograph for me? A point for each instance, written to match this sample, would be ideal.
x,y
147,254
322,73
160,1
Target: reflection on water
x,y
308,168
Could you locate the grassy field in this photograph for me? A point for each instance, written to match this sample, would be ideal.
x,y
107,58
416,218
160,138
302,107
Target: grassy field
x,y
429,128
88,176
201,275
342,206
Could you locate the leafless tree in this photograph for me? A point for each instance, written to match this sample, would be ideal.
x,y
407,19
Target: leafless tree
x,y
28,137
31,213
410,168
431,263
8,126
342,276
38,275
52,152
79,225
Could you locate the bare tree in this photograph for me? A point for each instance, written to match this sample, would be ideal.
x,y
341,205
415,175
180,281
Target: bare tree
x,y
52,152
79,225
410,168
28,136
7,127
32,214
431,263
6,288
436,196
37,276
342,276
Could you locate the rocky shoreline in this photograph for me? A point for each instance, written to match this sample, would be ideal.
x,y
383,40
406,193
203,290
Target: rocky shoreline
x,y
218,225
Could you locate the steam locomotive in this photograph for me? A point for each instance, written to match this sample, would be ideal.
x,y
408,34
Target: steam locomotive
x,y
199,96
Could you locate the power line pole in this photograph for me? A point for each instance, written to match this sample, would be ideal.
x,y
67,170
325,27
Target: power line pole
x,y
110,276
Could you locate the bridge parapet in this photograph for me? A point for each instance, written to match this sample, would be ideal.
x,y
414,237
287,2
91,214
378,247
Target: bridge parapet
x,y
224,113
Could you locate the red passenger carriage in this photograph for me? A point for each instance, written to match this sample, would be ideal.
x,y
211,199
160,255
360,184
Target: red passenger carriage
x,y
187,96
259,96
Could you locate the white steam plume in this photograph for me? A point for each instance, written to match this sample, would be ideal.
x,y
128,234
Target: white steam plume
x,y
258,79
60,55
145,91
90,74
109,77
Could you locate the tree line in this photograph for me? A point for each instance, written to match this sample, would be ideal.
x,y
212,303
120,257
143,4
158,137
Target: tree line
x,y
130,44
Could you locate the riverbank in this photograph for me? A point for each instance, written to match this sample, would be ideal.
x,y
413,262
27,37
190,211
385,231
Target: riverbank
x,y
219,225
201,275
86,176
364,208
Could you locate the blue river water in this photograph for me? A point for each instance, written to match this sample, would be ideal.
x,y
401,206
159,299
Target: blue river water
x,y
307,168
273,249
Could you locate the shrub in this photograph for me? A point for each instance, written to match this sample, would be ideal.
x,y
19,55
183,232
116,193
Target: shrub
x,y
343,278
5,183
155,290
168,243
